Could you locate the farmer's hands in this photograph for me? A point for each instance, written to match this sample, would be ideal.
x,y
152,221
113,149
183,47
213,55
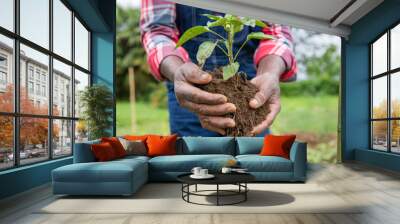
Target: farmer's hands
x,y
267,81
208,106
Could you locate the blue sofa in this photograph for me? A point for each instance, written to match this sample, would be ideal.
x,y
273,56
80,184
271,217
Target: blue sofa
x,y
125,176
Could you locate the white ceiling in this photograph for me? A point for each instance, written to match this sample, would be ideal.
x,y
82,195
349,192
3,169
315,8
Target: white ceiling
x,y
325,16
320,9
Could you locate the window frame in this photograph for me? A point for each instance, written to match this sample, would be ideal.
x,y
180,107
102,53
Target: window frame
x,y
16,114
388,74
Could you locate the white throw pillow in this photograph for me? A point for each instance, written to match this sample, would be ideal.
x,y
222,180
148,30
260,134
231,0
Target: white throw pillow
x,y
137,148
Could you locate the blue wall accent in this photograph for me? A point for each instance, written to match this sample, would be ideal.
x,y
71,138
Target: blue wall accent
x,y
103,63
355,99
89,11
24,178
376,158
103,52
99,16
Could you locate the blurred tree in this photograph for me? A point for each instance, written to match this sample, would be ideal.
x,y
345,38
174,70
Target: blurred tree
x,y
130,53
326,66
380,111
34,130
395,123
380,128
323,74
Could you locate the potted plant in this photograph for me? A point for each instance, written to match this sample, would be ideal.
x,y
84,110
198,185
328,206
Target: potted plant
x,y
96,102
229,80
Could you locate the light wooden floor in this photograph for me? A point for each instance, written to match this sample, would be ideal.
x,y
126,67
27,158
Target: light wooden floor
x,y
379,189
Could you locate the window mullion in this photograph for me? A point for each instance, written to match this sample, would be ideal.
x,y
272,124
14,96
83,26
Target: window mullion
x,y
389,101
16,69
73,82
50,81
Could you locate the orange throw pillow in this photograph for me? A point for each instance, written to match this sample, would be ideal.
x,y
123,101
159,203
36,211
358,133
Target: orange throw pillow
x,y
161,145
277,145
136,137
116,145
103,152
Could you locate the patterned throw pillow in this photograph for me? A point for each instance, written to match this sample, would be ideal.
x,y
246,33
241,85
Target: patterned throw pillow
x,y
136,148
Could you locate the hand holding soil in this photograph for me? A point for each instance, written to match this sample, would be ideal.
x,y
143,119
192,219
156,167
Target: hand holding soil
x,y
210,107
253,114
269,93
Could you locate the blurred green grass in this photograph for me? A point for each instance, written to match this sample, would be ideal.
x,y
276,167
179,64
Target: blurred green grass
x,y
312,119
307,114
149,119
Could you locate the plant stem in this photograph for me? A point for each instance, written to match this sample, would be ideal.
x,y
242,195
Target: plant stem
x,y
237,53
230,44
215,33
222,49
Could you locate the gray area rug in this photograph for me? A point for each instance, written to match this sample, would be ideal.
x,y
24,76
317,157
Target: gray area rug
x,y
166,198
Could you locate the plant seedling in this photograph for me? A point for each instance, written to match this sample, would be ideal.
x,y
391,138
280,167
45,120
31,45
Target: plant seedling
x,y
232,25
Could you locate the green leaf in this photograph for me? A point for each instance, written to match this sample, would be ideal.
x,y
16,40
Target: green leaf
x,y
248,22
237,25
259,36
230,70
220,22
191,33
260,23
229,16
205,50
233,23
212,17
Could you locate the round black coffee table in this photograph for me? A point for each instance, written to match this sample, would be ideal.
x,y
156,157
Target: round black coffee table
x,y
238,179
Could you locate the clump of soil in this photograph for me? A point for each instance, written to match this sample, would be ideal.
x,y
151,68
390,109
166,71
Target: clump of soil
x,y
239,91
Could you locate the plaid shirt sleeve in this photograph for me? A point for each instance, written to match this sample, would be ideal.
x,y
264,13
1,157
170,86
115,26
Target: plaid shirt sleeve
x,y
159,34
281,46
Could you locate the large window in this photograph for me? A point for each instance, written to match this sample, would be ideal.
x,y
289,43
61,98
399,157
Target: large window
x,y
44,64
385,91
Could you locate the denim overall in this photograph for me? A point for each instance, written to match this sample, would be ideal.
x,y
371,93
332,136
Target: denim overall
x,y
182,121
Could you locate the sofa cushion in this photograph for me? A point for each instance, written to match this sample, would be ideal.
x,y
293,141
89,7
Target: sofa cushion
x,y
249,145
133,158
116,145
103,152
134,147
257,163
83,152
112,171
185,163
277,145
206,145
161,145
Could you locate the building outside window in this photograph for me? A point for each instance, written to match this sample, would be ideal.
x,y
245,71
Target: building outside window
x,y
56,128
3,72
38,89
30,87
37,75
30,72
3,61
44,91
3,78
385,91
44,77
